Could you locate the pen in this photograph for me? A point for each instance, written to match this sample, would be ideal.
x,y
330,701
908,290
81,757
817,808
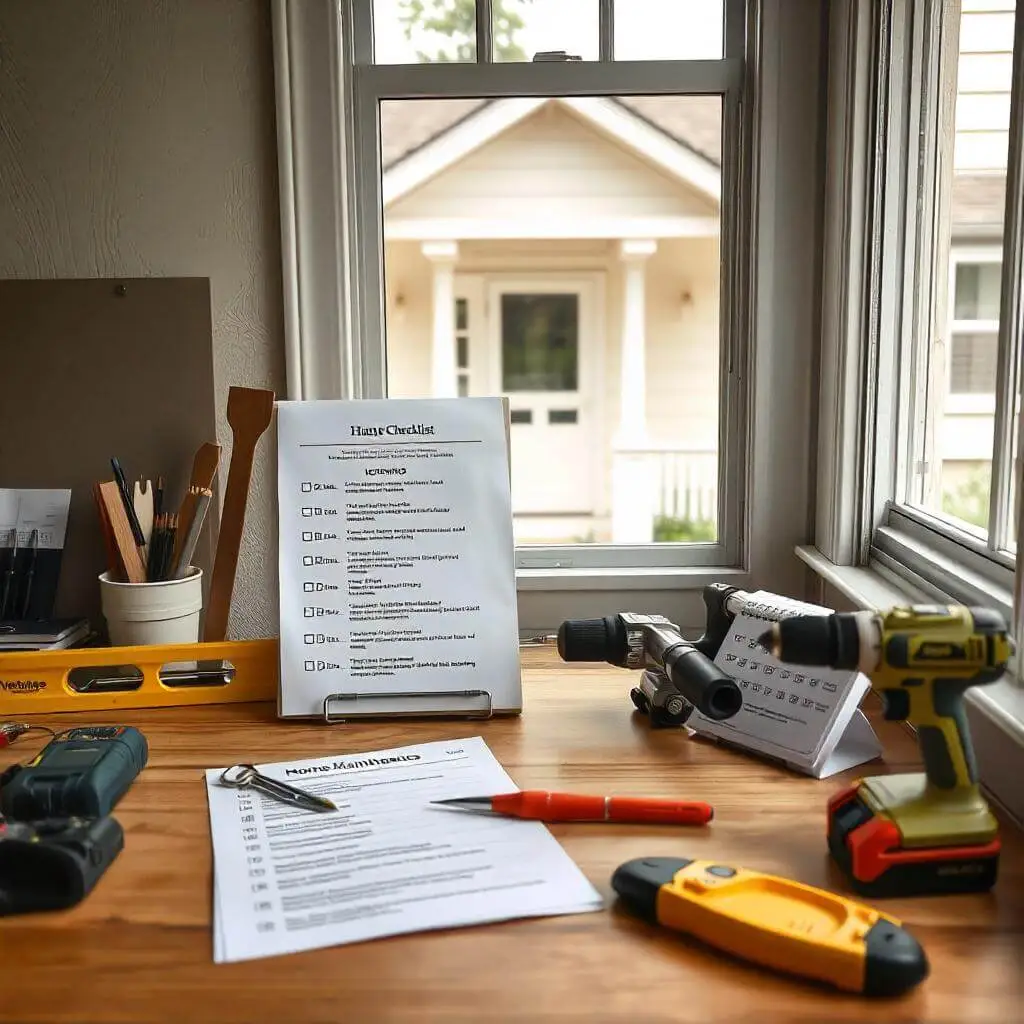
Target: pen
x,y
129,504
543,806
9,575
33,543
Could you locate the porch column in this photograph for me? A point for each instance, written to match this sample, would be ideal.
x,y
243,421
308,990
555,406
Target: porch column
x,y
632,412
634,474
443,255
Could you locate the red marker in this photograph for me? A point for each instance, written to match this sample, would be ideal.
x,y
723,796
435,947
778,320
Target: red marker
x,y
539,805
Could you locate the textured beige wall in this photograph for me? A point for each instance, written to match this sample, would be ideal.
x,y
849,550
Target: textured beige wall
x,y
137,138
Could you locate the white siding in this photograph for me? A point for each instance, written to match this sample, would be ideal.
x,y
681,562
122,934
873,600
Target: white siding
x,y
983,85
682,329
408,314
550,165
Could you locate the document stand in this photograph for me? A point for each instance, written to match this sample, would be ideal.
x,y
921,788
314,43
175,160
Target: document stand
x,y
441,703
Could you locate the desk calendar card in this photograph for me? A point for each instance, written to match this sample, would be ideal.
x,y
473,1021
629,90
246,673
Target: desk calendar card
x,y
807,718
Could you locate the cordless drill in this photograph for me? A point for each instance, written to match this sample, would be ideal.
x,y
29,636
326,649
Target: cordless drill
x,y
679,675
904,835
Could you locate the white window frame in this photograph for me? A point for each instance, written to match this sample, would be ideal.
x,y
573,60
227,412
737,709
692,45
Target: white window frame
x,y
870,546
888,59
969,255
333,299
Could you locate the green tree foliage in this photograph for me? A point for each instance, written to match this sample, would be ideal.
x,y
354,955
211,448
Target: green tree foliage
x,y
679,530
455,20
969,501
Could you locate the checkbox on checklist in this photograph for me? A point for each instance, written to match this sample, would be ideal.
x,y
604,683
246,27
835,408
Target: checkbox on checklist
x,y
310,666
307,512
306,488
309,638
307,535
307,587
307,613
307,559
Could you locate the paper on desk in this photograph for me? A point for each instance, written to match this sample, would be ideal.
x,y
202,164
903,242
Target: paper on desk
x,y
386,863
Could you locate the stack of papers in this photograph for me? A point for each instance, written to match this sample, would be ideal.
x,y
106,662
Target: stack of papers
x,y
45,635
386,862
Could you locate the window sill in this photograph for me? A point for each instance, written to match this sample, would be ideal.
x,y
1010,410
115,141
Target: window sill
x,y
995,712
689,578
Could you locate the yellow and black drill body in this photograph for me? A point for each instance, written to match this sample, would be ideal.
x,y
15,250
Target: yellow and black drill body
x,y
923,833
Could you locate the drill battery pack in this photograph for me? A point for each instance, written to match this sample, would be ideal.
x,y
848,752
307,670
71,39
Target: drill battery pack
x,y
869,848
82,772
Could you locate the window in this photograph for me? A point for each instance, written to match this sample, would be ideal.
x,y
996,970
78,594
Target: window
x,y
467,209
931,373
955,364
563,246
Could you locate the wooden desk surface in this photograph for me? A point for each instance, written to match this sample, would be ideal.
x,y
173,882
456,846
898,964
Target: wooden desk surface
x,y
140,947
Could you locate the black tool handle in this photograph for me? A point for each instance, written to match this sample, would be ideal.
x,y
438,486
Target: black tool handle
x,y
54,863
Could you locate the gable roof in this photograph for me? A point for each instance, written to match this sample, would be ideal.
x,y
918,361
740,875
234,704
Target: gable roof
x,y
417,148
693,121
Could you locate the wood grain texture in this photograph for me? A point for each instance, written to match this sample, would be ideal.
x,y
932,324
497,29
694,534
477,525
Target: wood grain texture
x,y
140,947
204,466
250,411
124,539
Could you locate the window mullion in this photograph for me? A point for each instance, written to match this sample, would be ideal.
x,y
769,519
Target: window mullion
x,y
735,28
484,32
1001,529
360,45
606,29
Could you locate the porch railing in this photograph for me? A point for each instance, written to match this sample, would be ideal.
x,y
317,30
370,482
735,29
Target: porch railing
x,y
665,493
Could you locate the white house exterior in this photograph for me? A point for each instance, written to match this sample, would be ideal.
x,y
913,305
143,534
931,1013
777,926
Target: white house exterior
x,y
565,253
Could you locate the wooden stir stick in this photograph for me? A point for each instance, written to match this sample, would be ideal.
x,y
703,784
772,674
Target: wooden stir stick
x,y
204,465
249,413
124,540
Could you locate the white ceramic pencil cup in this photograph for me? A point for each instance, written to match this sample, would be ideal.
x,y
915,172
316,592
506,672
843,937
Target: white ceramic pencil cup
x,y
153,613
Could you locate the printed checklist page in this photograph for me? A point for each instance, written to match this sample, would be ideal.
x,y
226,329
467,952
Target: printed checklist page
x,y
387,862
397,564
789,712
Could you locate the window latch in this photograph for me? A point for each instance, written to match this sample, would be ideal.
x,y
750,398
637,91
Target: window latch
x,y
555,56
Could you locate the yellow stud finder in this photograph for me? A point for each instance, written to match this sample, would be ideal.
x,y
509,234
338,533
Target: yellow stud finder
x,y
776,922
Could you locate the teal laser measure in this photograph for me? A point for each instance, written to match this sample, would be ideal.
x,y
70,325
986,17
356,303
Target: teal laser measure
x,y
80,773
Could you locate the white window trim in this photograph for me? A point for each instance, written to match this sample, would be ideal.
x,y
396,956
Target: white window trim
x,y
860,458
965,402
318,210
875,553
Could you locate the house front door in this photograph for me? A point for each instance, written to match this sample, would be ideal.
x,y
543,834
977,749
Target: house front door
x,y
543,346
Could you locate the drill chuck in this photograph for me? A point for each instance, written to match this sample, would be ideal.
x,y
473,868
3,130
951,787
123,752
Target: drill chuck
x,y
827,640
593,640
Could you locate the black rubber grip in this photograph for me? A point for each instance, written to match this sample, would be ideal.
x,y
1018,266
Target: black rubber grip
x,y
893,960
593,640
638,882
832,641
